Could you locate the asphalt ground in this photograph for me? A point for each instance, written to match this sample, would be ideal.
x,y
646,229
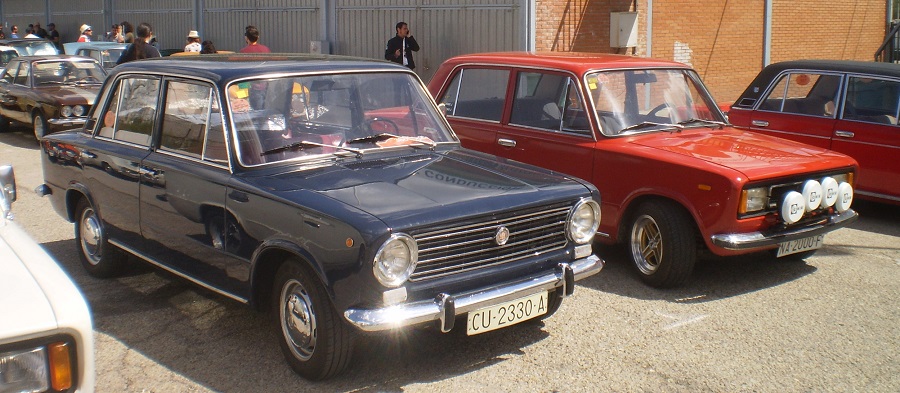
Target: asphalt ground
x,y
749,324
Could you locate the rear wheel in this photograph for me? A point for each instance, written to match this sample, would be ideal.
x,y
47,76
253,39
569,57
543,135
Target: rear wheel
x,y
315,340
39,123
98,257
4,123
662,244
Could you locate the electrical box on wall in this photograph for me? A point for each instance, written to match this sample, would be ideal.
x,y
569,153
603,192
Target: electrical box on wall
x,y
623,29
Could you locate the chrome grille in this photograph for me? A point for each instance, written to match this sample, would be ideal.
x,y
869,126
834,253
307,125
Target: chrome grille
x,y
470,244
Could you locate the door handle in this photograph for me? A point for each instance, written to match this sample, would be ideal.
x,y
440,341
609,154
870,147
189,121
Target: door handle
x,y
760,123
239,196
506,142
844,134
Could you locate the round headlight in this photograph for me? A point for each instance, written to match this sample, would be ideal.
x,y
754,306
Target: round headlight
x,y
830,191
583,221
396,260
79,110
845,197
66,111
812,194
792,207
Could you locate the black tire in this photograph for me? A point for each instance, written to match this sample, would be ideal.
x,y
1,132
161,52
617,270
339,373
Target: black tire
x,y
4,123
39,124
98,257
662,244
315,340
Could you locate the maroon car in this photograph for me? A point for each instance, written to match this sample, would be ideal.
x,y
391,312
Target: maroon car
x,y
674,177
846,106
50,93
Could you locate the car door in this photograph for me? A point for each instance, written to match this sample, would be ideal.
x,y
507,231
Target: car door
x,y
868,131
474,103
800,105
183,186
547,125
13,92
111,160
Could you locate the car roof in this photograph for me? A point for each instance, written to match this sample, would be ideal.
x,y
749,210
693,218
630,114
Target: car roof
x,y
226,67
54,57
578,62
765,77
13,41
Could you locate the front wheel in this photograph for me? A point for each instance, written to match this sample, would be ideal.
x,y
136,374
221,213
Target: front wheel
x,y
39,122
662,244
315,341
98,257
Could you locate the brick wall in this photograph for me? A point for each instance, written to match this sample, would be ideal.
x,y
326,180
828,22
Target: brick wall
x,y
722,39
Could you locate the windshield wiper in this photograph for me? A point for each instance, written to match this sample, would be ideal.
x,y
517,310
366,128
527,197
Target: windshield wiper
x,y
386,136
306,144
704,121
645,124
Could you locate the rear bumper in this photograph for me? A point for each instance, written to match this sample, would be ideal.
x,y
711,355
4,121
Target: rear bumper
x,y
445,307
762,240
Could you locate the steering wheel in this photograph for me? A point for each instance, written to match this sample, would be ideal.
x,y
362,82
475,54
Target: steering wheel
x,y
657,109
390,122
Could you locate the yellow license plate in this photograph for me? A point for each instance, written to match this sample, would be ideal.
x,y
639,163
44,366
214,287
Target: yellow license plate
x,y
506,314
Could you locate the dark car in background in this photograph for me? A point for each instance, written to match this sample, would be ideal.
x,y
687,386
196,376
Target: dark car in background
x,y
676,179
49,93
847,106
326,190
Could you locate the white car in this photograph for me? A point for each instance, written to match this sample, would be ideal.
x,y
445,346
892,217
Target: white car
x,y
46,335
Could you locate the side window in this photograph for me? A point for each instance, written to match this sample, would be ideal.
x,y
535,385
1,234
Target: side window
x,y
477,93
22,75
136,112
185,116
804,93
872,100
575,116
539,100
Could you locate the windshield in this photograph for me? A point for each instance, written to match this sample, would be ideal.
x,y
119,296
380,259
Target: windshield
x,y
631,101
306,116
67,72
36,48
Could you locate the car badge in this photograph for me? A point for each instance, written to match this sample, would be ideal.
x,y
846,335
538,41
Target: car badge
x,y
501,236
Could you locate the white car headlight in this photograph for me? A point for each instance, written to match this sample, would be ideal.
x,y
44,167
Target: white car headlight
x,y
66,111
583,221
754,200
37,369
79,110
396,260
830,191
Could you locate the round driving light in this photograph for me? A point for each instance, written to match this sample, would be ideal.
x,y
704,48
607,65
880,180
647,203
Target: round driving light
x,y
830,191
65,111
792,207
583,221
812,194
845,197
79,110
396,260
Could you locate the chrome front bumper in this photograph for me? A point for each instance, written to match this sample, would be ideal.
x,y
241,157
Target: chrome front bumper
x,y
747,241
445,307
67,121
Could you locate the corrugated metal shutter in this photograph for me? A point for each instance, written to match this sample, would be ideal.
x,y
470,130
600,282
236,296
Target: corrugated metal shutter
x,y
170,19
284,25
443,28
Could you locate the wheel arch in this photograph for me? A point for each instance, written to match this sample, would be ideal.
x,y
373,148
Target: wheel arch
x,y
266,261
629,213
76,192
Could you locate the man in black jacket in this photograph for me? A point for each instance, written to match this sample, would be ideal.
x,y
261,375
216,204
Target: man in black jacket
x,y
400,48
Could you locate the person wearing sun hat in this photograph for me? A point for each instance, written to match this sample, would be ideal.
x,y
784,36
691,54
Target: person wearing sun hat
x,y
193,39
85,33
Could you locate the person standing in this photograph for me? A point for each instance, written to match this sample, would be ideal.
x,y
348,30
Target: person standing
x,y
251,36
39,31
128,32
14,32
86,33
140,48
53,36
400,48
193,39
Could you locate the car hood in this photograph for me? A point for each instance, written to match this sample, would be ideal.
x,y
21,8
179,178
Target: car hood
x,y
398,188
23,304
756,156
72,94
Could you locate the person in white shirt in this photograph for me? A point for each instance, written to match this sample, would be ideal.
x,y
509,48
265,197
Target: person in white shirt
x,y
193,39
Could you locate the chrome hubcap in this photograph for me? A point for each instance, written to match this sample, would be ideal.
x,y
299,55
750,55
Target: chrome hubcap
x,y
91,235
38,128
646,244
298,321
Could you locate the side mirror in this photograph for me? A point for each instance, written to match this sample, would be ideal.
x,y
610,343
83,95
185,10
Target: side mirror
x,y
7,189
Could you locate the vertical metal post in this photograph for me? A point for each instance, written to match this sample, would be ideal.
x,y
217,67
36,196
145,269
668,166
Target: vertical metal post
x,y
767,34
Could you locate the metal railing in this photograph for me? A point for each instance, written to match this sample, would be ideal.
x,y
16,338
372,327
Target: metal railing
x,y
889,51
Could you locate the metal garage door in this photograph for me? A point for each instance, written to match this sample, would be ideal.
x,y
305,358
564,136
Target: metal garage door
x,y
443,28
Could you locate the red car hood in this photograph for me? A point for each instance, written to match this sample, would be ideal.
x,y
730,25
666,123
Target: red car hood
x,y
756,156
72,94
